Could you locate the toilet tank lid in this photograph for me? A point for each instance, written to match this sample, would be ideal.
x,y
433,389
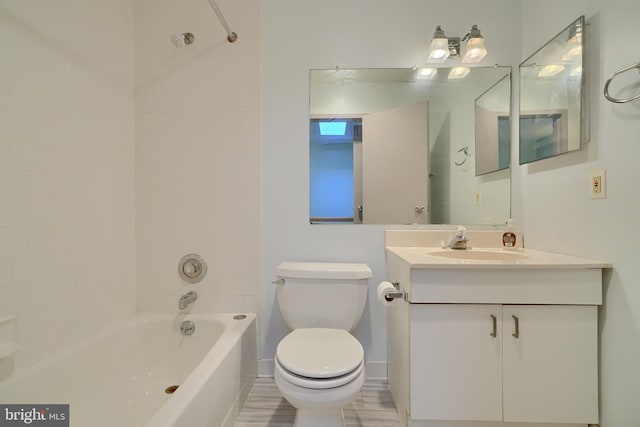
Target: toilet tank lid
x,y
324,270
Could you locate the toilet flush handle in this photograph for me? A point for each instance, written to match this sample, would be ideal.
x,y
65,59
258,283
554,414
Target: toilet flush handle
x,y
279,281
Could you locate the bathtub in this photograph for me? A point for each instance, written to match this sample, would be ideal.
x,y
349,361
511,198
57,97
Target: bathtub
x,y
118,377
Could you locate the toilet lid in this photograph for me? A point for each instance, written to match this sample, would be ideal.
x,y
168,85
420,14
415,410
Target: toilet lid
x,y
320,352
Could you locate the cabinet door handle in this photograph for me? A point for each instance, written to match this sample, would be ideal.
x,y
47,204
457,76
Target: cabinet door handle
x,y
516,321
494,320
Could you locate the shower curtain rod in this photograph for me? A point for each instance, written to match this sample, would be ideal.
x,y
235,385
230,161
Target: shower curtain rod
x,y
231,36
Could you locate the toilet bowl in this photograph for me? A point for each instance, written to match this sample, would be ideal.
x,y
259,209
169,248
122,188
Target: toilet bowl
x,y
319,366
319,371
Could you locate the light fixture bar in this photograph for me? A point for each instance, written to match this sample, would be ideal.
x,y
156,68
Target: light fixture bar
x,y
443,47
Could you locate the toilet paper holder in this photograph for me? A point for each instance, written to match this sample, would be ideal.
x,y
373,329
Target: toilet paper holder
x,y
390,296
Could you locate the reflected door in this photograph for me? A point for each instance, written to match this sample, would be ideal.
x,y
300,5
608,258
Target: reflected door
x,y
395,166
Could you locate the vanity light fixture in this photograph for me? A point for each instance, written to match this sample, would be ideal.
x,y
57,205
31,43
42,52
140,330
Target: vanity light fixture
x,y
439,49
459,72
474,49
443,47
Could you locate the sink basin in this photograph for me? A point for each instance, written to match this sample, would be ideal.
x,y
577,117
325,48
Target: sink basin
x,y
478,255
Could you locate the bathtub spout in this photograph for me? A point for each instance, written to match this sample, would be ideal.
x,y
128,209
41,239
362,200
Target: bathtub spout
x,y
187,299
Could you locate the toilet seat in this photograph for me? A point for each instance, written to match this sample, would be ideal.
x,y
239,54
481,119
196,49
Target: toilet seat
x,y
320,357
318,383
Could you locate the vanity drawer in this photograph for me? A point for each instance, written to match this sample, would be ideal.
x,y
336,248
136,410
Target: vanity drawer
x,y
580,286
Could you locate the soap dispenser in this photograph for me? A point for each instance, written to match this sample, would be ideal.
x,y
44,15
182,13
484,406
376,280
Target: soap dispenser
x,y
509,237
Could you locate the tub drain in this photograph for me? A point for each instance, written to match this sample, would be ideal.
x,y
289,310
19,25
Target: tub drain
x,y
171,389
239,317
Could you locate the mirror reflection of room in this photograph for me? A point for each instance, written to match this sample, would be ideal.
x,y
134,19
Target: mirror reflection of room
x,y
553,118
398,146
493,128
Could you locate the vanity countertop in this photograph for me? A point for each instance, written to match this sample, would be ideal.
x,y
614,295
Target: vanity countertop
x,y
489,258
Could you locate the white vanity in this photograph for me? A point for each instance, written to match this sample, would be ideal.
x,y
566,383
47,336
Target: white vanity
x,y
491,337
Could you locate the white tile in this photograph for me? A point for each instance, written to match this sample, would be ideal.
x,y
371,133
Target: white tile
x,y
5,272
66,173
27,268
12,183
39,184
5,211
5,152
13,124
13,298
28,323
43,344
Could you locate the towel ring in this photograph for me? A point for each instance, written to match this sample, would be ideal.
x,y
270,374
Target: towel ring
x,y
610,79
464,150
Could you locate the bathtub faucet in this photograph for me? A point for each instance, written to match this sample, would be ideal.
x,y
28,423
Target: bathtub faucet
x,y
187,299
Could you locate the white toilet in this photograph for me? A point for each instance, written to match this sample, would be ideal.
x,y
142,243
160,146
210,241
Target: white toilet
x,y
319,366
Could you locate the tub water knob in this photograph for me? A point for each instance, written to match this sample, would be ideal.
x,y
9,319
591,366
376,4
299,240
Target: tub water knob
x,y
187,327
192,268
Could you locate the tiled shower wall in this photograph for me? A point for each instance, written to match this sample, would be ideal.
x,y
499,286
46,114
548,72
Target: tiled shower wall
x,y
198,154
67,249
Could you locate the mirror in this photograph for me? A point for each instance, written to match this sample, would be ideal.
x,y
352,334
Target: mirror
x,y
493,128
553,118
396,146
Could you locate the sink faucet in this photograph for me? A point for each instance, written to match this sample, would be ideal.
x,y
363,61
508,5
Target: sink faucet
x,y
460,239
187,299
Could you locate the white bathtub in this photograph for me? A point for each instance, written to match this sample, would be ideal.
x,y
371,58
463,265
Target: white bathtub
x,y
118,377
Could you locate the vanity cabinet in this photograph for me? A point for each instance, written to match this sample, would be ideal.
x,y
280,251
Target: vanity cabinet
x,y
520,363
485,346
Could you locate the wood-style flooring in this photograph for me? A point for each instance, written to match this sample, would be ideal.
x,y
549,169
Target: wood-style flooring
x,y
265,407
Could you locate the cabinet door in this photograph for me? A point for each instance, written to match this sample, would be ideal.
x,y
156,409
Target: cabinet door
x,y
551,369
456,362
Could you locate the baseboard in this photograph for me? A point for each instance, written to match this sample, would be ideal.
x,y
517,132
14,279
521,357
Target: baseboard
x,y
265,368
374,370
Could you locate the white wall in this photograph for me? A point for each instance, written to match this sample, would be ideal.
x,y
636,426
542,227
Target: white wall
x,y
558,214
299,36
67,250
198,154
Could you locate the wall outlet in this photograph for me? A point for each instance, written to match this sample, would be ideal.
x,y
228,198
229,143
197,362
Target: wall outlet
x,y
598,188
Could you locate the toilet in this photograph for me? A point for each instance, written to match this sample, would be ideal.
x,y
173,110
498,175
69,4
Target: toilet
x,y
319,365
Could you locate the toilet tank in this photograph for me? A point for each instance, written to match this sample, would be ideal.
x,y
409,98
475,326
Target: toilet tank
x,y
322,295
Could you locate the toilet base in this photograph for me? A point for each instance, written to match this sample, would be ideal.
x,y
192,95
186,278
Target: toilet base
x,y
315,419
319,407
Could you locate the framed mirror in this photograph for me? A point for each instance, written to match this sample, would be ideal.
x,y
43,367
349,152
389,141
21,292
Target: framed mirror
x,y
553,117
396,146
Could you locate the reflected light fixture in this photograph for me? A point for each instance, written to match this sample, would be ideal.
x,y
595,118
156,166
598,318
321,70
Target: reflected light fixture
x,y
573,50
427,73
459,72
550,70
576,72
443,47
